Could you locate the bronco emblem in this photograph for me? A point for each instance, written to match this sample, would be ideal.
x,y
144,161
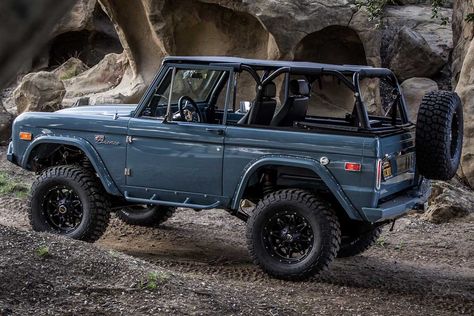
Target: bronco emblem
x,y
100,139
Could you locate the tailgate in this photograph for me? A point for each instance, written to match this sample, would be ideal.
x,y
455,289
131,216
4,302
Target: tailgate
x,y
398,162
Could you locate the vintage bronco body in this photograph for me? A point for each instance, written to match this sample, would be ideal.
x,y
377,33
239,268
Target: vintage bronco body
x,y
220,132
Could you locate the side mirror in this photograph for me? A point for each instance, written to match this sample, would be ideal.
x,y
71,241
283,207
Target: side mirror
x,y
245,106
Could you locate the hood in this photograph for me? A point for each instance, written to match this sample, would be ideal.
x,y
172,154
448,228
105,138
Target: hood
x,y
122,110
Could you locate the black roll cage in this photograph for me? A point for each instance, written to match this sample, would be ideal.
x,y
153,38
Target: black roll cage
x,y
349,75
360,110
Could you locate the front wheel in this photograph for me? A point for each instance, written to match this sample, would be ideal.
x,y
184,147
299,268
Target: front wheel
x,y
69,201
293,234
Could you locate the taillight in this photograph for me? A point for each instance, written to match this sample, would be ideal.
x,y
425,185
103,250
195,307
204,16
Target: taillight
x,y
378,180
353,166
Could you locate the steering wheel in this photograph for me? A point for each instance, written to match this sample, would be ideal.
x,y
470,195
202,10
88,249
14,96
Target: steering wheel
x,y
188,110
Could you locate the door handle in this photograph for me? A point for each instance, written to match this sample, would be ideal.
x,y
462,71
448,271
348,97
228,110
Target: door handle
x,y
218,131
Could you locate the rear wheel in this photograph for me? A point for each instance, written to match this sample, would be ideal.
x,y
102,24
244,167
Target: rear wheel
x,y
439,135
147,216
69,201
293,234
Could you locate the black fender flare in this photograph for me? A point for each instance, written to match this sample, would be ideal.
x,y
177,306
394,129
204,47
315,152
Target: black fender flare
x,y
86,147
306,163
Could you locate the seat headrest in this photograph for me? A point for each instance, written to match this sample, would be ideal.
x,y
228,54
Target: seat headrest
x,y
269,90
300,87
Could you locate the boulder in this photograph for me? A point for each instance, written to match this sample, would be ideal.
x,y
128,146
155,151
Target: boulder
x,y
449,201
410,55
101,79
71,68
104,76
439,36
414,89
39,92
6,120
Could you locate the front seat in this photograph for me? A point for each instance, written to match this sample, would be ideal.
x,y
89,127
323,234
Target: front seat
x,y
263,108
296,106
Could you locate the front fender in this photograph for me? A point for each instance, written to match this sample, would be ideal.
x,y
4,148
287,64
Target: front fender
x,y
306,163
88,150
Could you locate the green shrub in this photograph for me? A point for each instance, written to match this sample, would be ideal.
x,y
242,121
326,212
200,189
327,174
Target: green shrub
x,y
42,251
10,186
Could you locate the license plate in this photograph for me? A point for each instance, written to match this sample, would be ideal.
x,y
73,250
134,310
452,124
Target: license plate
x,y
405,163
387,169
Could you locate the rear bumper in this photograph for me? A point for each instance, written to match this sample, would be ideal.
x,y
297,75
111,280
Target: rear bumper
x,y
10,156
399,205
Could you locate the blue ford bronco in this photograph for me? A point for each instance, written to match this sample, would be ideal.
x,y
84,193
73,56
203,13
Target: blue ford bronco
x,y
314,178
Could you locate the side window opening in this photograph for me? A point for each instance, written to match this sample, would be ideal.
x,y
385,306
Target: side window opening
x,y
254,107
330,98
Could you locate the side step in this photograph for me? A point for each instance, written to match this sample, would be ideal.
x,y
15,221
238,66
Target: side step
x,y
155,201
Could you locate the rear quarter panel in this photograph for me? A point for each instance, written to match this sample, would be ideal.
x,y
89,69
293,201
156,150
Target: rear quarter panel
x,y
244,145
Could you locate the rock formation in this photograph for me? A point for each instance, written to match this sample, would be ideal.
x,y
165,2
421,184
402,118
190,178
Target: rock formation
x,y
71,68
448,201
412,56
25,27
414,89
5,125
463,67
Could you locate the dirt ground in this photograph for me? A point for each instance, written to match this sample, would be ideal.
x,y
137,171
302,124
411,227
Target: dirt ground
x,y
197,263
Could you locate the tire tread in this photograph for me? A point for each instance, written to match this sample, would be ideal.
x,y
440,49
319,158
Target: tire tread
x,y
99,204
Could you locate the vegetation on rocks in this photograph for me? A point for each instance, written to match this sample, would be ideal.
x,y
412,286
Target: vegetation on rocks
x,y
375,9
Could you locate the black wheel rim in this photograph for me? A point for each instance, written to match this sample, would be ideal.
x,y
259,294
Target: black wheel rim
x,y
288,237
62,209
454,135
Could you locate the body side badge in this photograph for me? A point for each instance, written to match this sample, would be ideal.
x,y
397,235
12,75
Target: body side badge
x,y
324,161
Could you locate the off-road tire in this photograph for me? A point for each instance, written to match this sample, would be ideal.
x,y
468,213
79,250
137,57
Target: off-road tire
x,y
151,217
95,205
439,135
354,245
324,225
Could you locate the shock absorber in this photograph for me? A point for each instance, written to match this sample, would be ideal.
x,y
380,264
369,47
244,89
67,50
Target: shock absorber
x,y
268,183
86,163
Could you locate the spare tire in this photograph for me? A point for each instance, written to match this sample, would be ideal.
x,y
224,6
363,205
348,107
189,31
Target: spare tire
x,y
439,135
146,216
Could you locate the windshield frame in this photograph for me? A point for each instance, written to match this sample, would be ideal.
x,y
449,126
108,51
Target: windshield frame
x,y
168,68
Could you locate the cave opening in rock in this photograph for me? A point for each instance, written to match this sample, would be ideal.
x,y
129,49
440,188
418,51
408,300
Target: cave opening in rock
x,y
90,45
334,45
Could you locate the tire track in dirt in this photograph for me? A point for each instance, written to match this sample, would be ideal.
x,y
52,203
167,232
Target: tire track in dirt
x,y
451,290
